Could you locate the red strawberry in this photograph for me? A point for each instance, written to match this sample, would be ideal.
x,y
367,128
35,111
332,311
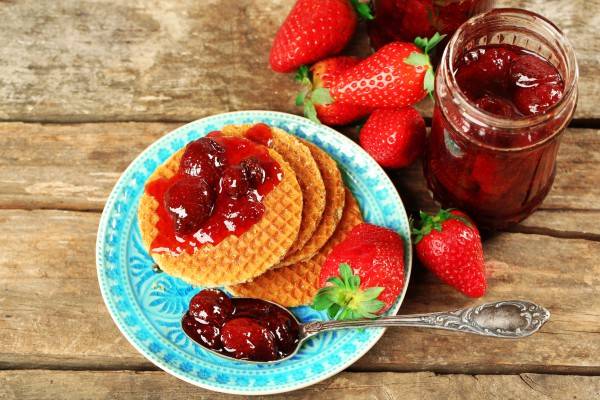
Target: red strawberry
x,y
397,75
394,137
449,245
313,30
318,105
370,264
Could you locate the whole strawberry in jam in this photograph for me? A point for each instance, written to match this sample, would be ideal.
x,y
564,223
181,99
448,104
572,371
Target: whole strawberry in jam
x,y
242,328
189,202
211,306
496,105
363,275
538,84
254,172
509,81
234,182
247,338
203,158
284,329
206,335
485,70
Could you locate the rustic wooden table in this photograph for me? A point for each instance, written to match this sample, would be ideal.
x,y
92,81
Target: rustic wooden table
x,y
87,85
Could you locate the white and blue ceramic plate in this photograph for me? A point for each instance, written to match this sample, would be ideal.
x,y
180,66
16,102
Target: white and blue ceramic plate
x,y
147,306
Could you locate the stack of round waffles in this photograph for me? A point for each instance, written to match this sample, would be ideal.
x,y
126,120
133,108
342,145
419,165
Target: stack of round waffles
x,y
280,257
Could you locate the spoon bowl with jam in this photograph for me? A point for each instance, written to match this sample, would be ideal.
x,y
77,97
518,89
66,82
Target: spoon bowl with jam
x,y
260,331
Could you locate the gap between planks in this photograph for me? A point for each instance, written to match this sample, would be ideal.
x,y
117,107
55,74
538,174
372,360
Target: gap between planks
x,y
438,371
576,123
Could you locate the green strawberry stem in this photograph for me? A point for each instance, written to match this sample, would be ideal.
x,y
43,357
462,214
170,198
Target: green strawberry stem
x,y
344,299
427,223
423,60
309,96
363,9
303,76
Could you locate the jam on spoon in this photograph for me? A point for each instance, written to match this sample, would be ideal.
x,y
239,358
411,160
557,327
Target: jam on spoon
x,y
217,191
261,331
246,329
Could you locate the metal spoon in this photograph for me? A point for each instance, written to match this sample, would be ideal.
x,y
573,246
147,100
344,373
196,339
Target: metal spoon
x,y
511,319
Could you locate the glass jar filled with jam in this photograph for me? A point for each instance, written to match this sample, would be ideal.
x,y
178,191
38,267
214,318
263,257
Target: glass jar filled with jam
x,y
405,20
506,89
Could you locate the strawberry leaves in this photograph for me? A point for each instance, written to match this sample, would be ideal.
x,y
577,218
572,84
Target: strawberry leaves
x,y
321,96
422,59
363,9
428,44
309,96
428,223
344,299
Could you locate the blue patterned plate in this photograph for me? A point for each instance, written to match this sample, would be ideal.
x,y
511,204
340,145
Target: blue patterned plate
x,y
147,306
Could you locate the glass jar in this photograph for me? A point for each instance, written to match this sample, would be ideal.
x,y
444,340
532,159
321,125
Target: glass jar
x,y
497,169
405,20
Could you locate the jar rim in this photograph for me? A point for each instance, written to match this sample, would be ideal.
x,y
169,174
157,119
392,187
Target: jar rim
x,y
485,119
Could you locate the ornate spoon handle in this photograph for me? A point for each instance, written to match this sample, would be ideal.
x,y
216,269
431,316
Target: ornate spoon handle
x,y
503,319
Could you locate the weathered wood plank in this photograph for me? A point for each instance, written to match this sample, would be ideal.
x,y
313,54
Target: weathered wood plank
x,y
157,60
49,291
68,166
74,166
40,385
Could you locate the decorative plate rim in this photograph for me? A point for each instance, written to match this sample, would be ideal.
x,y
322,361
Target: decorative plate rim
x,y
103,225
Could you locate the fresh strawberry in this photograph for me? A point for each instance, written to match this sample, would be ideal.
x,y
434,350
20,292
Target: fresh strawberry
x,y
397,75
449,245
313,30
370,265
315,99
394,137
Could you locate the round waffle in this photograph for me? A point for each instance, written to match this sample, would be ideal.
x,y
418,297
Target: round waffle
x,y
297,284
334,205
236,259
309,177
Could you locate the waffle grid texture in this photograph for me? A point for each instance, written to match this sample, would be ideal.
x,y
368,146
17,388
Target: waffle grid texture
x,y
334,206
297,284
236,259
299,157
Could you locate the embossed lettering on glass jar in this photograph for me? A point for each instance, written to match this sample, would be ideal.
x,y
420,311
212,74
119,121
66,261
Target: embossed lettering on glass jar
x,y
498,166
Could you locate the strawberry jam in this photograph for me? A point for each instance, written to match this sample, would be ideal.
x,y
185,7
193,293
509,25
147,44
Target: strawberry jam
x,y
217,191
260,133
242,328
499,113
509,81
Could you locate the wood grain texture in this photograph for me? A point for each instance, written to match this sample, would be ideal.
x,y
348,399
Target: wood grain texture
x,y
68,166
52,315
74,167
148,60
114,385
